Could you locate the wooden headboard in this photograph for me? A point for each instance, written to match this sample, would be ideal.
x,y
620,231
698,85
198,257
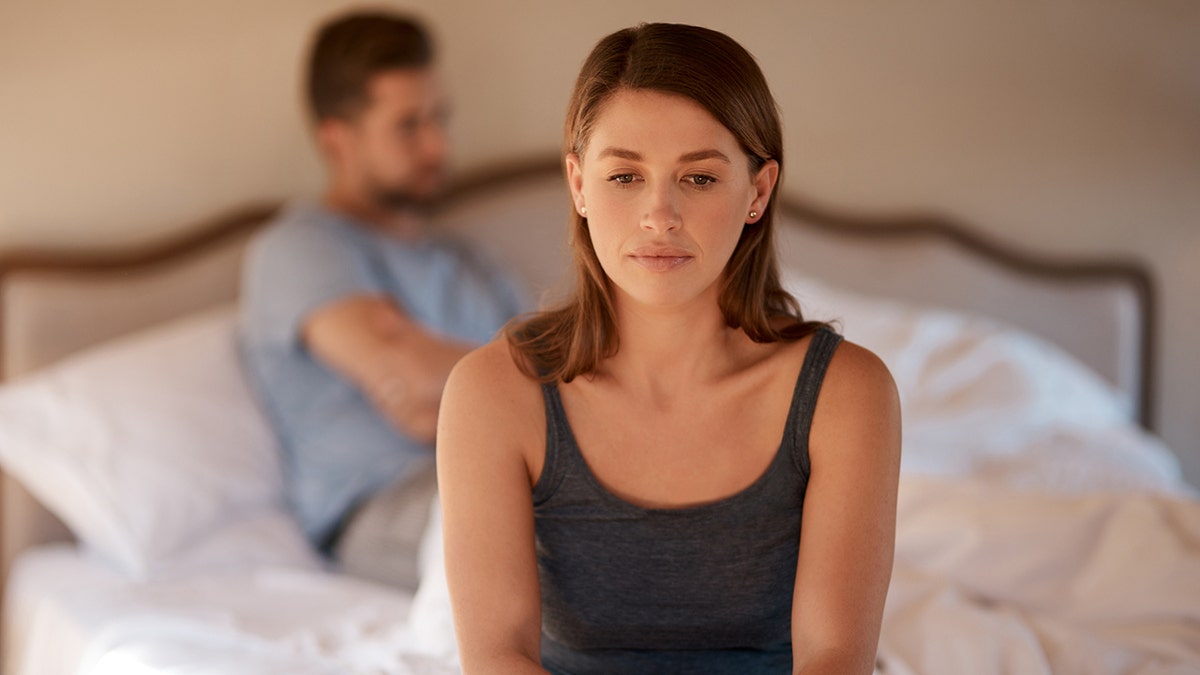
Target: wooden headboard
x,y
54,303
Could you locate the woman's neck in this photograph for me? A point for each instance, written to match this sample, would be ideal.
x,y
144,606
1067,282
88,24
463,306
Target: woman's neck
x,y
665,350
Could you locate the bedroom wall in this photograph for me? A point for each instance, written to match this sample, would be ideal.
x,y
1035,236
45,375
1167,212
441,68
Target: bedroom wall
x,y
1063,127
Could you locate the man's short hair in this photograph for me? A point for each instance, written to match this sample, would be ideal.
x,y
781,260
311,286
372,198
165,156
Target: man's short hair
x,y
350,49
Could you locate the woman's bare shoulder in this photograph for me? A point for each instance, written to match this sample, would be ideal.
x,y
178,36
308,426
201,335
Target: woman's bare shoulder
x,y
858,399
491,411
491,371
854,366
488,386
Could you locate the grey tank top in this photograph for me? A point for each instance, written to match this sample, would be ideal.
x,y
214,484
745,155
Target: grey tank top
x,y
699,589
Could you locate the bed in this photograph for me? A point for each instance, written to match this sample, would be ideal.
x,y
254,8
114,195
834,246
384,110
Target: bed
x,y
1043,528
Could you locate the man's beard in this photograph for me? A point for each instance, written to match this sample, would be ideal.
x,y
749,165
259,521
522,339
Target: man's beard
x,y
395,200
404,199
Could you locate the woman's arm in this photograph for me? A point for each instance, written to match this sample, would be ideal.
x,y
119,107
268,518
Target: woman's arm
x,y
491,423
848,532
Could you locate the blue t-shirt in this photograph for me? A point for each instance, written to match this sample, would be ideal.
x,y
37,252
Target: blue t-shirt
x,y
337,448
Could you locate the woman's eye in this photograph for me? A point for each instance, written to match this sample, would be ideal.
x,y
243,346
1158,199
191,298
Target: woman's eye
x,y
622,178
700,180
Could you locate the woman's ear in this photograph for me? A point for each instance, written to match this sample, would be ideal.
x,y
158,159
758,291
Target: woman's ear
x,y
575,182
764,184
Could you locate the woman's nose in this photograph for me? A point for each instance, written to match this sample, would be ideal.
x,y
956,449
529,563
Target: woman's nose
x,y
662,210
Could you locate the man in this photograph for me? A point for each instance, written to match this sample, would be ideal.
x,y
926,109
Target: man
x,y
353,312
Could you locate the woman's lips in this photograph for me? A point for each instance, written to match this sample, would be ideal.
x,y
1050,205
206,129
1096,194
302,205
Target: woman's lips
x,y
660,258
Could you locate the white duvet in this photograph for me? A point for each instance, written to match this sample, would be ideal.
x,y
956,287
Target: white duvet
x,y
999,580
987,579
1039,531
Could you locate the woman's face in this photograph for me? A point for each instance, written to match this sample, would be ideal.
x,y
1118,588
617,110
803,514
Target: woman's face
x,y
667,190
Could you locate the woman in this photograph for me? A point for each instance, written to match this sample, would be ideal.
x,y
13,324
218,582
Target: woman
x,y
615,492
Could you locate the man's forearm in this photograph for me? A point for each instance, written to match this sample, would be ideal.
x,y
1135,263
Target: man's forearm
x,y
398,364
410,398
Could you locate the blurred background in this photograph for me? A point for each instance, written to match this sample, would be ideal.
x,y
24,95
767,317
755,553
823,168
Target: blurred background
x,y
1069,128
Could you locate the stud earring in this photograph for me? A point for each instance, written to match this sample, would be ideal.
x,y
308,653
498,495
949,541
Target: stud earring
x,y
583,211
754,214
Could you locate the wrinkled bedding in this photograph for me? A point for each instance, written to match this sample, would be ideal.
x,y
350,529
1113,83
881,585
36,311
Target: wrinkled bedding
x,y
987,579
1039,531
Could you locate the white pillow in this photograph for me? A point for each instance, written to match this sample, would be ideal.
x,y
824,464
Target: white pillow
x,y
979,397
953,367
153,451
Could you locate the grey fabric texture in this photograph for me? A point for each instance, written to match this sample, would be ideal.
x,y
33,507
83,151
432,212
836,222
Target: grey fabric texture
x,y
706,588
382,537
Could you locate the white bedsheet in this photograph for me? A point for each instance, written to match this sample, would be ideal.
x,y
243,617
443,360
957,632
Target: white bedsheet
x,y
83,618
989,578
994,579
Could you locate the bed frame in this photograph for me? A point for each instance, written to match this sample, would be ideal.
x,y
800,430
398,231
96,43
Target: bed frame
x,y
53,303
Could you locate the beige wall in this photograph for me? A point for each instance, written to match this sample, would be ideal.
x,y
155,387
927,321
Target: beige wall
x,y
1065,127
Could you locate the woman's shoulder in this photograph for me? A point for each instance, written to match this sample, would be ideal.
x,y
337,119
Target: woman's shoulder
x,y
493,369
489,382
858,395
853,366
846,360
491,406
852,374
848,367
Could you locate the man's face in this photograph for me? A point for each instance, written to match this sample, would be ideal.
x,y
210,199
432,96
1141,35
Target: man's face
x,y
394,151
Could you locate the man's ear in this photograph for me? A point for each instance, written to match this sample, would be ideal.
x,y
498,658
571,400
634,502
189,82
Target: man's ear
x,y
575,182
332,137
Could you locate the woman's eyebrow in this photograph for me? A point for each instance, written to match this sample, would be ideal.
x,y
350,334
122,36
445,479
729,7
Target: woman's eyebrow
x,y
704,154
694,156
620,153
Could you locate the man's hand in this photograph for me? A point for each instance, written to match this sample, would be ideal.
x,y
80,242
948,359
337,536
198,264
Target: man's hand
x,y
399,365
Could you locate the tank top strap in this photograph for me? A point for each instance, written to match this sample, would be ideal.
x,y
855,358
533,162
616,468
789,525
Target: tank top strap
x,y
561,451
558,444
804,398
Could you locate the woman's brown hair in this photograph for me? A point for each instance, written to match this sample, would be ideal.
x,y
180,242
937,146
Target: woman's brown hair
x,y
716,72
